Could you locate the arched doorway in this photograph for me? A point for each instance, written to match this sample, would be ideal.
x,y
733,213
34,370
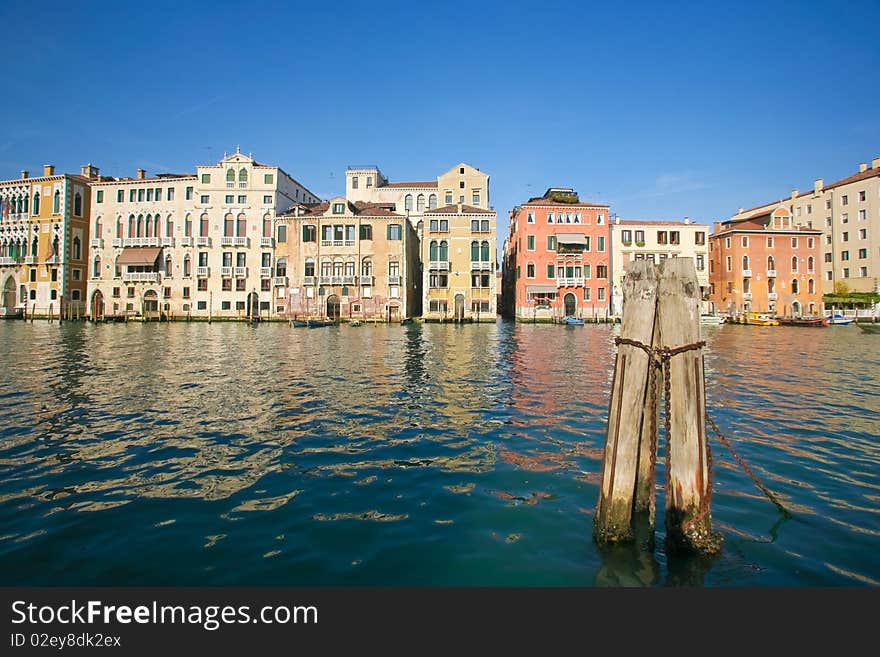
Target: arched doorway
x,y
9,296
151,304
253,306
459,308
97,305
333,307
570,305
795,308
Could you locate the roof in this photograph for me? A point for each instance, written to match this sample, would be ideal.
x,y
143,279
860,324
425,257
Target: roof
x,y
635,222
459,209
359,208
161,177
543,201
427,184
856,177
138,256
737,226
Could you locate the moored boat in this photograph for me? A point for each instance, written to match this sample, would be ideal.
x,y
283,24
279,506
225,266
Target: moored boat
x,y
573,321
803,321
758,319
318,323
300,323
839,320
711,319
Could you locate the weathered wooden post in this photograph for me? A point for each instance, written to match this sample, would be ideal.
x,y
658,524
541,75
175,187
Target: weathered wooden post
x,y
688,476
613,520
645,475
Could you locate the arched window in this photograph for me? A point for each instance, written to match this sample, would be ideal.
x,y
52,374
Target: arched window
x,y
475,251
337,268
77,248
420,203
281,267
117,273
56,248
155,225
444,251
794,286
139,226
433,251
228,225
187,225
169,226
242,175
811,286
56,202
407,202
34,245
326,268
349,267
186,266
119,228
771,263
24,198
36,209
203,225
148,228
794,263
96,268
310,267
432,202
484,251
267,225
77,204
99,228
810,264
241,224
367,267
168,265
230,175
745,262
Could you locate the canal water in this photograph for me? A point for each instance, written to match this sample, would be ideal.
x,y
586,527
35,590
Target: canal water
x,y
410,455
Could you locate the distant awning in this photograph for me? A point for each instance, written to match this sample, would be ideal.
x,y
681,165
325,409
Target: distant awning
x,y
571,238
139,256
540,289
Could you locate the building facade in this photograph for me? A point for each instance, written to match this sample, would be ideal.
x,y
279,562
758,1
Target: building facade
x,y
765,264
848,214
349,260
458,247
655,241
557,258
189,245
44,235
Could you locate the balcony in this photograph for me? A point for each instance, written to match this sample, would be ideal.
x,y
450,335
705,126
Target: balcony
x,y
267,242
394,280
747,296
167,241
226,241
570,282
348,280
308,280
772,296
280,281
140,241
96,243
336,280
141,276
30,260
241,272
226,272
203,241
186,241
771,273
325,280
241,241
481,265
265,272
366,280
117,242
6,261
440,265
203,272
747,273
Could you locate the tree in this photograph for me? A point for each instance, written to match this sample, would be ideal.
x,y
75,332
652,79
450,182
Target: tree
x,y
841,289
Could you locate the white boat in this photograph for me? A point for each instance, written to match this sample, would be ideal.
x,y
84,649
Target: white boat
x,y
711,319
839,320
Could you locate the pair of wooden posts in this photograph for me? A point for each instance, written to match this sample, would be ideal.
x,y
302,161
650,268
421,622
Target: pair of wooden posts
x,y
661,314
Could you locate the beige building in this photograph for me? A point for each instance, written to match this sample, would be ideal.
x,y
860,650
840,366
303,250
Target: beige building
x,y
349,260
656,241
44,234
848,214
184,245
458,260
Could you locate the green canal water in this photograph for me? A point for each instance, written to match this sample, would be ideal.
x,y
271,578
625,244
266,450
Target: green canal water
x,y
410,455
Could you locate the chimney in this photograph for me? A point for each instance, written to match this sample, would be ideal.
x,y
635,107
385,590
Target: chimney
x,y
740,211
875,163
818,184
863,167
89,171
24,174
687,220
141,174
794,194
48,170
459,208
716,227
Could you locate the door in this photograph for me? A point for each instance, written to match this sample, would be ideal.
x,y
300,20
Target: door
x,y
333,307
253,305
97,305
570,305
151,303
459,308
9,296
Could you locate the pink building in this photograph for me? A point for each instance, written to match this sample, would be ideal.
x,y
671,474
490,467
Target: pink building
x,y
556,258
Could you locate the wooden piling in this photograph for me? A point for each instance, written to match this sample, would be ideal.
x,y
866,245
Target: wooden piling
x,y
613,520
645,474
688,479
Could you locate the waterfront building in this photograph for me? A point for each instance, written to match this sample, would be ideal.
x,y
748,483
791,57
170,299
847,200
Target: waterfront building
x,y
458,260
44,234
189,245
765,263
655,241
847,212
557,258
354,260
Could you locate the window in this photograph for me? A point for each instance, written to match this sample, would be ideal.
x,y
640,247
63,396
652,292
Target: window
x,y
551,271
339,208
408,202
600,243
77,248
203,225
745,262
794,263
206,178
844,218
242,199
863,215
76,274
700,238
170,193
862,196
394,232
461,184
769,242
863,233
366,232
530,217
549,217
828,257
674,237
845,237
530,270
150,194
420,203
863,272
640,238
844,255
829,275
204,199
189,194
844,200
662,237
600,219
530,243
863,253
432,202
601,271
551,242
229,199
626,237
845,272
140,195
475,199
728,264
56,202
794,242
811,265
448,198
700,262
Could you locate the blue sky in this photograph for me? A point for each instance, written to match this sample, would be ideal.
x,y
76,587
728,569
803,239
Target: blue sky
x,y
660,111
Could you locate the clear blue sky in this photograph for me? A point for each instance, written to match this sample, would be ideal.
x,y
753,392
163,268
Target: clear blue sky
x,y
660,111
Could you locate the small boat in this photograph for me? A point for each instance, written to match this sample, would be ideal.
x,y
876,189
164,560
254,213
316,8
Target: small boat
x,y
803,321
839,320
318,323
355,322
300,323
573,321
869,327
711,319
759,319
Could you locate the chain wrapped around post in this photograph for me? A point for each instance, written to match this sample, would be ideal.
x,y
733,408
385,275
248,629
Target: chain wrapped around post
x,y
659,359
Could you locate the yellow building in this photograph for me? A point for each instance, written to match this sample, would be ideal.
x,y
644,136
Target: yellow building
x,y
458,261
44,238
